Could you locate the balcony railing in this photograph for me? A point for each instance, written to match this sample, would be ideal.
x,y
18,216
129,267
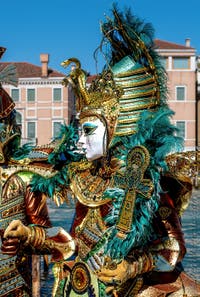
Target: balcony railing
x,y
32,141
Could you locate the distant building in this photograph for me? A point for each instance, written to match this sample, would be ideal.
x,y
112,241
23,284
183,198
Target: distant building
x,y
42,102
180,64
198,102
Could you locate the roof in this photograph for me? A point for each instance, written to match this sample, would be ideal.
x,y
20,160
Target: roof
x,y
159,44
162,44
27,70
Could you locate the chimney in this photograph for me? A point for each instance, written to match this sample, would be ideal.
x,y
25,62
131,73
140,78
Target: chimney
x,y
44,59
187,42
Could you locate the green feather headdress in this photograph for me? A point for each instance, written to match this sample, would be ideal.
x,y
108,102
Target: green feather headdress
x,y
132,81
135,66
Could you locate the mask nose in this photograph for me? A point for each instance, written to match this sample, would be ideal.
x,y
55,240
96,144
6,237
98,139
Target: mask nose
x,y
81,143
81,140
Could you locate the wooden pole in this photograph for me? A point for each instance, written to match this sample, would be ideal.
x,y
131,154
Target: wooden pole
x,y
35,276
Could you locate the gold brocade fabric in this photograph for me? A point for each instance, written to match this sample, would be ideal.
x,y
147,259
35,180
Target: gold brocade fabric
x,y
11,207
89,189
88,184
184,168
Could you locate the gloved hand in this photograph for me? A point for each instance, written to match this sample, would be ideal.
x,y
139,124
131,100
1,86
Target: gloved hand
x,y
10,246
15,233
17,229
115,275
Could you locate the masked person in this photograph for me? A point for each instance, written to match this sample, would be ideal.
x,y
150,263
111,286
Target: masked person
x,y
19,204
127,225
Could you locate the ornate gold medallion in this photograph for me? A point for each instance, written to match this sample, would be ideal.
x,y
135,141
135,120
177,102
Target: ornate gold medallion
x,y
80,278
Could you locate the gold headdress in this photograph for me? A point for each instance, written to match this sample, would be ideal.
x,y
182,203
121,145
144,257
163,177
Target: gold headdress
x,y
130,84
140,92
101,99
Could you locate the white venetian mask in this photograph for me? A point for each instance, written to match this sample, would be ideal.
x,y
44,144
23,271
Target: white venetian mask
x,y
93,139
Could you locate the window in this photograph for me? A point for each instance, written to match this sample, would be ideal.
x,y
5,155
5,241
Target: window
x,y
31,95
31,130
56,129
57,94
180,93
15,94
180,63
181,129
18,118
163,61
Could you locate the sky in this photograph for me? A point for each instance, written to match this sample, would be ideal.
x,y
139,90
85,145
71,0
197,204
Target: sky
x,y
71,28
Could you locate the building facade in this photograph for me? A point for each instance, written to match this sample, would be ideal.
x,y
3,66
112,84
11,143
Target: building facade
x,y
42,102
180,64
198,103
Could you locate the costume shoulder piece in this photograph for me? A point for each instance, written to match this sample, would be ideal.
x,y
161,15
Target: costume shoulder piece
x,y
183,168
49,164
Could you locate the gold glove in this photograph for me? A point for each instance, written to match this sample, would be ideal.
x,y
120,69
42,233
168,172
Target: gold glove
x,y
33,236
119,274
16,229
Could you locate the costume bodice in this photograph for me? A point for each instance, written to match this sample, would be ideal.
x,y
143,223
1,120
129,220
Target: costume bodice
x,y
89,191
12,207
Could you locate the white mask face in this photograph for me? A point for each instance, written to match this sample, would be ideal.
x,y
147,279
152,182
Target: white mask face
x,y
93,139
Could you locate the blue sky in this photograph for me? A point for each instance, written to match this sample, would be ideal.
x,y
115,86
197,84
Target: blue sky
x,y
65,29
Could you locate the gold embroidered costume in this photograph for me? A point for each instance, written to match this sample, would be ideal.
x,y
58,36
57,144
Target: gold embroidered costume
x,y
127,231
127,225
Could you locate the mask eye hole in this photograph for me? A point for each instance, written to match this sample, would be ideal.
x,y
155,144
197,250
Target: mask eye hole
x,y
89,128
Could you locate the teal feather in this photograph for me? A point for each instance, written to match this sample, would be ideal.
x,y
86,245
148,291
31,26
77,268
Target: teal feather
x,y
117,195
157,134
50,189
23,151
66,150
66,146
128,35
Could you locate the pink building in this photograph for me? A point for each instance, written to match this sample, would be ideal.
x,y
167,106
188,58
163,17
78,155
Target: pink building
x,y
198,102
180,64
42,102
